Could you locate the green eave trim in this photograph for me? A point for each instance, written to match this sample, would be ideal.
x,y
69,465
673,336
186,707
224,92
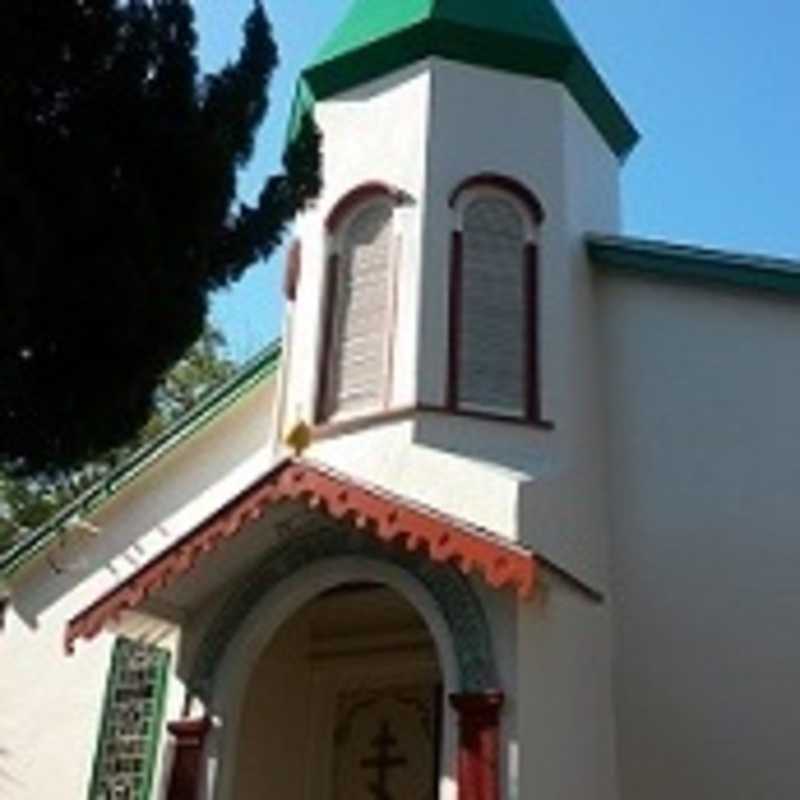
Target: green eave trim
x,y
540,58
679,262
209,408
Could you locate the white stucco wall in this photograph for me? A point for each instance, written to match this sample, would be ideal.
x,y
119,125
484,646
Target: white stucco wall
x,y
374,133
566,736
703,392
273,733
50,704
418,129
531,130
426,130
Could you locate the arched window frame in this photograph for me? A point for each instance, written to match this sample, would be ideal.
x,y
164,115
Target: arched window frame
x,y
532,215
337,224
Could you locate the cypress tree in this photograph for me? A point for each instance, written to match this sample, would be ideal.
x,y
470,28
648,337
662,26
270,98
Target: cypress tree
x,y
119,212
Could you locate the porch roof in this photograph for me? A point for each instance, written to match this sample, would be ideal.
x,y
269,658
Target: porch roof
x,y
372,511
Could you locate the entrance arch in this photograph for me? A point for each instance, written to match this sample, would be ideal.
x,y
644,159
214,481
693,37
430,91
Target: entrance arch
x,y
442,596
354,681
300,569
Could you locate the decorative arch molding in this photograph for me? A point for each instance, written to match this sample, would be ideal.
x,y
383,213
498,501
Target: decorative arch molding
x,y
504,183
450,591
372,190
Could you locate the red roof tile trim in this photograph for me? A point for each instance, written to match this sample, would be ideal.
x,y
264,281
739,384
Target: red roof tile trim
x,y
388,518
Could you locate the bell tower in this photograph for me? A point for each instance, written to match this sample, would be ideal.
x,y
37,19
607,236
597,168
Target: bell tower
x,y
439,337
426,107
468,148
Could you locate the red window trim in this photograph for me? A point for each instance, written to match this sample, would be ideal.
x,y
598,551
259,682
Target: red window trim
x,y
343,208
328,430
291,275
324,371
506,184
371,190
532,413
454,334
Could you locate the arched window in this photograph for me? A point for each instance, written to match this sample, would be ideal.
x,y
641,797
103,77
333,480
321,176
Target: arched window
x,y
356,352
494,303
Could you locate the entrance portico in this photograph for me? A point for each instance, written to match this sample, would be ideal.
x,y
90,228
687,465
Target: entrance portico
x,y
289,632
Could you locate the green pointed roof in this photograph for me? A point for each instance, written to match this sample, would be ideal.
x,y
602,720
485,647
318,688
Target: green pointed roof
x,y
527,37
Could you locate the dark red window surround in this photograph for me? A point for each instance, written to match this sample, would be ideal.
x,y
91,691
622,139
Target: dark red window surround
x,y
331,281
375,189
342,209
504,184
291,275
358,196
532,411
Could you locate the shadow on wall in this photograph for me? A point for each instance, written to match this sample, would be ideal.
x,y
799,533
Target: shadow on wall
x,y
521,448
6,777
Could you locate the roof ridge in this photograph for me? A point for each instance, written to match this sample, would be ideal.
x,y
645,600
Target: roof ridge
x,y
213,403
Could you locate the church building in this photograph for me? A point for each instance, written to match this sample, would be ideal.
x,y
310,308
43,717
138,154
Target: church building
x,y
509,513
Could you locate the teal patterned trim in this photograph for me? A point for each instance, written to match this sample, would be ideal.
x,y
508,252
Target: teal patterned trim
x,y
133,708
453,595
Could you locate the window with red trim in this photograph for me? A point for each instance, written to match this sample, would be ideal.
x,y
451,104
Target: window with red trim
x,y
494,301
356,358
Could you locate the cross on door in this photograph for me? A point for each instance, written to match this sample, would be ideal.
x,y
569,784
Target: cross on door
x,y
382,762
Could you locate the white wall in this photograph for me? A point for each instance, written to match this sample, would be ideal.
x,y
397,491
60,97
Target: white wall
x,y
50,704
273,732
374,133
566,719
425,129
703,397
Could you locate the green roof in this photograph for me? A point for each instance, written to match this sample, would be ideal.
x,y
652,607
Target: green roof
x,y
526,37
694,264
209,408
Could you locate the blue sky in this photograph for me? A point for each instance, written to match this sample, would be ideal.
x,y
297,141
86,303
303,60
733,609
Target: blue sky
x,y
712,86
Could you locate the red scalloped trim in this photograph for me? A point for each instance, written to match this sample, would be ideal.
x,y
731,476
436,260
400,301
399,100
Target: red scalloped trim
x,y
388,518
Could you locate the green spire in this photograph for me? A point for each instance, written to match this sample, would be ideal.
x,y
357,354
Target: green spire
x,y
527,37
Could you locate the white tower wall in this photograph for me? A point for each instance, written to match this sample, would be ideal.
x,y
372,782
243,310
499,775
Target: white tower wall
x,y
424,130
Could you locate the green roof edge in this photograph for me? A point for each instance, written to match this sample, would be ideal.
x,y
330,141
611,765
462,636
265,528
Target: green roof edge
x,y
694,264
490,49
258,368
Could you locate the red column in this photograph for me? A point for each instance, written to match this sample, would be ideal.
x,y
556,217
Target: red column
x,y
190,736
478,745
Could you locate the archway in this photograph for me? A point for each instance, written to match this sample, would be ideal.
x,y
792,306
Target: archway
x,y
354,681
308,566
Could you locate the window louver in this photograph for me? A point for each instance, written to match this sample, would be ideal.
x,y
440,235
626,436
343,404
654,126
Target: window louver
x,y
492,352
361,305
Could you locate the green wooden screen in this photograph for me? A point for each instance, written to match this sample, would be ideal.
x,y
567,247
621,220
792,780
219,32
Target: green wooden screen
x,y
131,725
